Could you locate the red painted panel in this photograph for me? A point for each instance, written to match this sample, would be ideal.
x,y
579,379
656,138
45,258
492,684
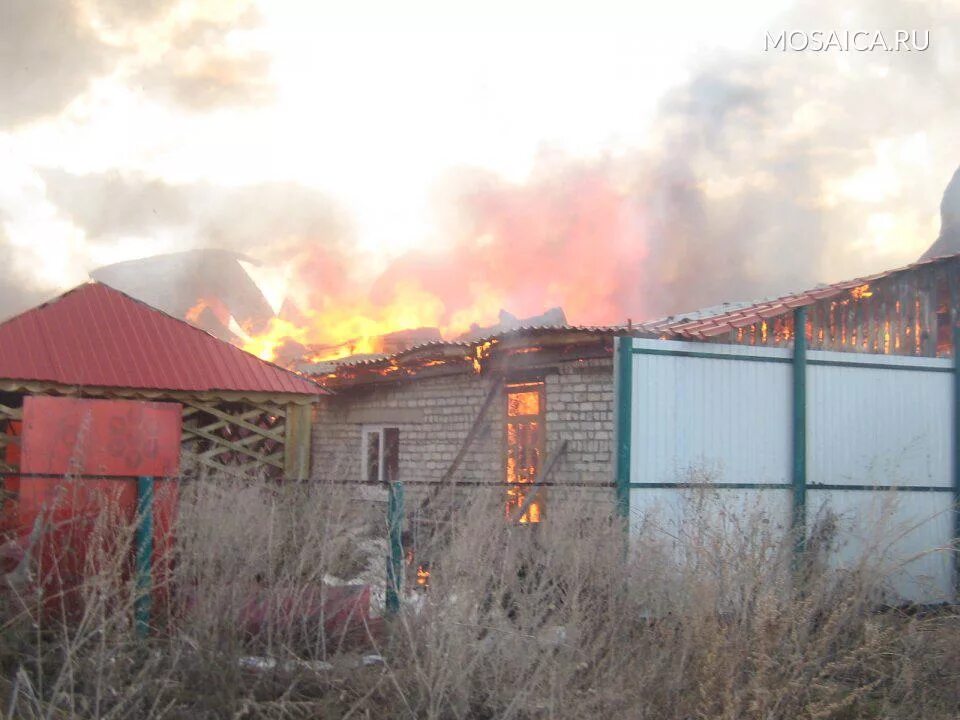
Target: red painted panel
x,y
100,437
64,438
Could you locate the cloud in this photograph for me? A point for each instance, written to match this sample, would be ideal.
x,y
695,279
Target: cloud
x,y
203,68
188,55
48,57
764,173
16,292
270,221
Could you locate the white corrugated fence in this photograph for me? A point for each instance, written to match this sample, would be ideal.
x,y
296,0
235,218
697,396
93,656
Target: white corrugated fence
x,y
869,438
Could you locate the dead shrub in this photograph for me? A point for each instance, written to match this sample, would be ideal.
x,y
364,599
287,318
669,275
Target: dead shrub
x,y
713,617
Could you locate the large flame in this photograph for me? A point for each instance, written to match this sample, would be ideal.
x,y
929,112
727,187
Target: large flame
x,y
570,240
338,329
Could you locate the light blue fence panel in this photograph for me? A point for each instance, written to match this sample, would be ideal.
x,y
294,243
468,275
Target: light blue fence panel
x,y
718,420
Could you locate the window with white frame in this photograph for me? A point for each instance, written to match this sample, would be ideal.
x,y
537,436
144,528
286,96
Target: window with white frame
x,y
381,453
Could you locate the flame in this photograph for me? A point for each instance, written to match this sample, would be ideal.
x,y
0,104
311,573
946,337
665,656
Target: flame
x,y
524,449
214,305
335,330
423,576
574,239
861,291
482,352
278,332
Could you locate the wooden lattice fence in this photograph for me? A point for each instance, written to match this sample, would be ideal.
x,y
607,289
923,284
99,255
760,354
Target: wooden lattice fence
x,y
248,436
239,438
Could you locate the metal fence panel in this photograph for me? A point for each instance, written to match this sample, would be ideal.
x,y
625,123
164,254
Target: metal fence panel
x,y
708,416
907,533
878,433
879,420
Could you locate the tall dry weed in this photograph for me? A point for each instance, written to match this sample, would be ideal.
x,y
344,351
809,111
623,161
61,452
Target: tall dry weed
x,y
712,616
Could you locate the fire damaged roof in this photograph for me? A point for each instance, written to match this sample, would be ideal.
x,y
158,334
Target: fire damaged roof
x,y
523,347
568,342
694,327
96,336
465,347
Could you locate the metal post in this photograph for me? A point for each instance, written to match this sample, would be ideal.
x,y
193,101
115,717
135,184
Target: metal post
x,y
956,460
394,533
144,554
799,520
624,396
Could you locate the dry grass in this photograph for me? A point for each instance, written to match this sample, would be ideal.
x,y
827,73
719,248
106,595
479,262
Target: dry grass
x,y
554,621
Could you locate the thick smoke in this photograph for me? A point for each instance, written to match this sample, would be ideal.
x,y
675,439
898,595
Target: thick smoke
x,y
51,50
948,242
281,224
276,221
768,173
765,172
47,57
16,293
560,240
200,70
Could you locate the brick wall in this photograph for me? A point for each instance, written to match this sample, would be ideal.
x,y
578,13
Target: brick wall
x,y
580,410
435,415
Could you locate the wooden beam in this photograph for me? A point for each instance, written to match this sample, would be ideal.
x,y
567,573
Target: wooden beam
x,y
235,446
296,446
531,489
51,388
267,433
12,413
240,421
494,391
248,440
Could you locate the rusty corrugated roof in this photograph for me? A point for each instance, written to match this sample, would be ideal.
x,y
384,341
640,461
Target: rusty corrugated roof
x,y
466,346
700,324
681,326
97,336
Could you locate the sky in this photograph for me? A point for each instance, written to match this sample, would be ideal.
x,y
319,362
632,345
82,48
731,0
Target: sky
x,y
360,136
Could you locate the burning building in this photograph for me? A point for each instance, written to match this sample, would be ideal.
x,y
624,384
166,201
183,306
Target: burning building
x,y
526,403
208,287
532,407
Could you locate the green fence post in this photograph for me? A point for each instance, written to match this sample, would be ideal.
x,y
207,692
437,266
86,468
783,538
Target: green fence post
x,y
799,519
395,535
144,555
624,396
956,461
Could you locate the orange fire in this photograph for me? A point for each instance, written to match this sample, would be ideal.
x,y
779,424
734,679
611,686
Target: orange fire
x,y
334,330
861,291
524,450
214,305
574,240
423,576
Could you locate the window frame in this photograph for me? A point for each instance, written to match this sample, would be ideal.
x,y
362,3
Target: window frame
x,y
379,429
540,418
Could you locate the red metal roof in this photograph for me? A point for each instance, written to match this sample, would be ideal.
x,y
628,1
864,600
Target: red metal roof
x,y
94,335
742,316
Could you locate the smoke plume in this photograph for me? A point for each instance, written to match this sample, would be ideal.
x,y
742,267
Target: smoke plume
x,y
764,172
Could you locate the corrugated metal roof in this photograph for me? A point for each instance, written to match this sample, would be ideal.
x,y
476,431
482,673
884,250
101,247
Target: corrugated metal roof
x,y
465,345
701,327
95,335
699,324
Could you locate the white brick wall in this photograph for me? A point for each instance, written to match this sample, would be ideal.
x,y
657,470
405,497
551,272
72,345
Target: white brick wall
x,y
579,409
